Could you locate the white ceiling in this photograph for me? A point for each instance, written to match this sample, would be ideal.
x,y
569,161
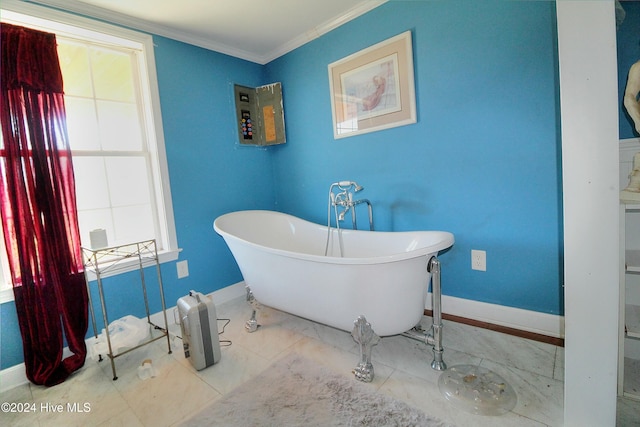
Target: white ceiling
x,y
255,30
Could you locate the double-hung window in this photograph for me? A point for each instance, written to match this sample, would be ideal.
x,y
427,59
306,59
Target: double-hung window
x,y
115,130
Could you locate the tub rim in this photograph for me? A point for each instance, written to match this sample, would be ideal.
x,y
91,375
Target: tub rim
x,y
446,243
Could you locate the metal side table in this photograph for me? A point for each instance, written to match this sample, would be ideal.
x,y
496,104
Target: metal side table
x,y
105,262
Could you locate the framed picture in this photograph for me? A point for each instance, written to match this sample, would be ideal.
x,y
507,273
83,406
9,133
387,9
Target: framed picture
x,y
373,89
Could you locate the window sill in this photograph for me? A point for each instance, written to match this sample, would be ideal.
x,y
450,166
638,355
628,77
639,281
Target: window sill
x,y
6,294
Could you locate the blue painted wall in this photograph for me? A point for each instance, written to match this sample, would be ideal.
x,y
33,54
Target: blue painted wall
x,y
210,172
483,160
210,175
628,53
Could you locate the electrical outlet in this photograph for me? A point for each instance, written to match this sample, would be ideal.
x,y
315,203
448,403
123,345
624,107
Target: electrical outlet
x,y
183,269
478,260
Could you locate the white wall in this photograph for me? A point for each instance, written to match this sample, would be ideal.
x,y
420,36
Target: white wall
x,y
589,109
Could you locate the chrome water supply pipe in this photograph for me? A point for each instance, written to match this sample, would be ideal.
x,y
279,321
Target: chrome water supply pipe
x,y
370,209
433,337
342,201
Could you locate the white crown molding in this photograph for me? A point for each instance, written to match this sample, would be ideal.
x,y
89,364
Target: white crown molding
x,y
322,29
99,13
200,41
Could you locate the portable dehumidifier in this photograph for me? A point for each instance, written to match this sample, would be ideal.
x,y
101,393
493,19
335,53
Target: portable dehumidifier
x,y
199,326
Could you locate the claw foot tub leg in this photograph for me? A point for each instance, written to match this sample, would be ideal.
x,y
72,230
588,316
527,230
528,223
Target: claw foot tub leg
x,y
363,334
251,325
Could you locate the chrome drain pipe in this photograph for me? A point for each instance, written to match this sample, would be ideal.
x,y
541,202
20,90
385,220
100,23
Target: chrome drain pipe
x,y
434,336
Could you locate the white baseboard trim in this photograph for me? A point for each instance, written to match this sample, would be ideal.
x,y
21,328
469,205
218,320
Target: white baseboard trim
x,y
219,297
525,320
12,377
229,293
16,375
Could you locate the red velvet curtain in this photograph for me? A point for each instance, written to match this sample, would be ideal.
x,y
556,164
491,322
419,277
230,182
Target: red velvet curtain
x,y
38,206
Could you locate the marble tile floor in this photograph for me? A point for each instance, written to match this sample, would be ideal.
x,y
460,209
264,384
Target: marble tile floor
x,y
91,398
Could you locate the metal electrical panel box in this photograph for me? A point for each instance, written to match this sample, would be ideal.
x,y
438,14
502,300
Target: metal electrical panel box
x,y
260,115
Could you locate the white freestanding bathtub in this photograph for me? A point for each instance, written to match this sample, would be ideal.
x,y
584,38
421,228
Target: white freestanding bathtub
x,y
382,275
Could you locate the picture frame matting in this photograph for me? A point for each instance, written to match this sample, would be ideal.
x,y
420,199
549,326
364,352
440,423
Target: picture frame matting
x,y
373,89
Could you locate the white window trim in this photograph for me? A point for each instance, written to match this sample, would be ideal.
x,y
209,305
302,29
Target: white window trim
x,y
165,205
